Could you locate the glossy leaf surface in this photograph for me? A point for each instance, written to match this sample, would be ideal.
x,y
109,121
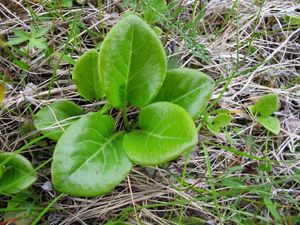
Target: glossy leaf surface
x,y
88,159
17,173
132,62
270,123
266,105
166,131
188,88
52,120
87,77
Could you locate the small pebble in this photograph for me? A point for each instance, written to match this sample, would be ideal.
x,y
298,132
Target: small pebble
x,y
47,186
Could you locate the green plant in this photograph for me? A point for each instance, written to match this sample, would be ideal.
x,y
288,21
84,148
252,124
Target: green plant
x,y
90,158
25,205
154,10
218,122
34,38
16,173
263,109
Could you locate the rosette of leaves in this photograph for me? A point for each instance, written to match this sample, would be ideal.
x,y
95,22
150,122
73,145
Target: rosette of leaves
x,y
91,157
263,111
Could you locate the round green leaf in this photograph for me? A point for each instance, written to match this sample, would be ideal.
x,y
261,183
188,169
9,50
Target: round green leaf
x,y
52,120
88,159
266,105
270,123
133,63
17,173
166,131
86,76
188,88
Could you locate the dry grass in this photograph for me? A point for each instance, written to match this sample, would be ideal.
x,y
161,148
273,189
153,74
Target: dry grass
x,y
250,45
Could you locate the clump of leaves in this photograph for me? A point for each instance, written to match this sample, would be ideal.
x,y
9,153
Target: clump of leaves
x,y
263,111
90,157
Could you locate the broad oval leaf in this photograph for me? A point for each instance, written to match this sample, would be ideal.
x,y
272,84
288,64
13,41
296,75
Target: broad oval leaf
x,y
52,120
266,105
270,123
88,159
188,88
133,63
17,173
166,131
87,77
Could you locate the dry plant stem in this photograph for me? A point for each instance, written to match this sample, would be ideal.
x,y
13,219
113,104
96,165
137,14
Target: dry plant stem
x,y
125,118
132,200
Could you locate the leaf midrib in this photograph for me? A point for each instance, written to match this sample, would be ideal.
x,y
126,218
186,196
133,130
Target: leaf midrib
x,y
109,140
161,136
129,68
95,75
188,93
20,177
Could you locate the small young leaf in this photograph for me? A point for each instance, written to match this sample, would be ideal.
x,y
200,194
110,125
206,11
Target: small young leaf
x,y
265,167
272,208
166,131
233,182
187,88
16,41
270,123
52,120
173,62
18,173
21,64
20,33
66,58
39,43
132,63
40,32
220,121
86,76
154,10
292,19
88,159
66,3
266,105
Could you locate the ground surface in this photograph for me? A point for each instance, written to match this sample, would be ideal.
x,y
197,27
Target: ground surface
x,y
250,48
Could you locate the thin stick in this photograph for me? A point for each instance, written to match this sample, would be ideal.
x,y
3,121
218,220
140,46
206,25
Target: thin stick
x,y
132,200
